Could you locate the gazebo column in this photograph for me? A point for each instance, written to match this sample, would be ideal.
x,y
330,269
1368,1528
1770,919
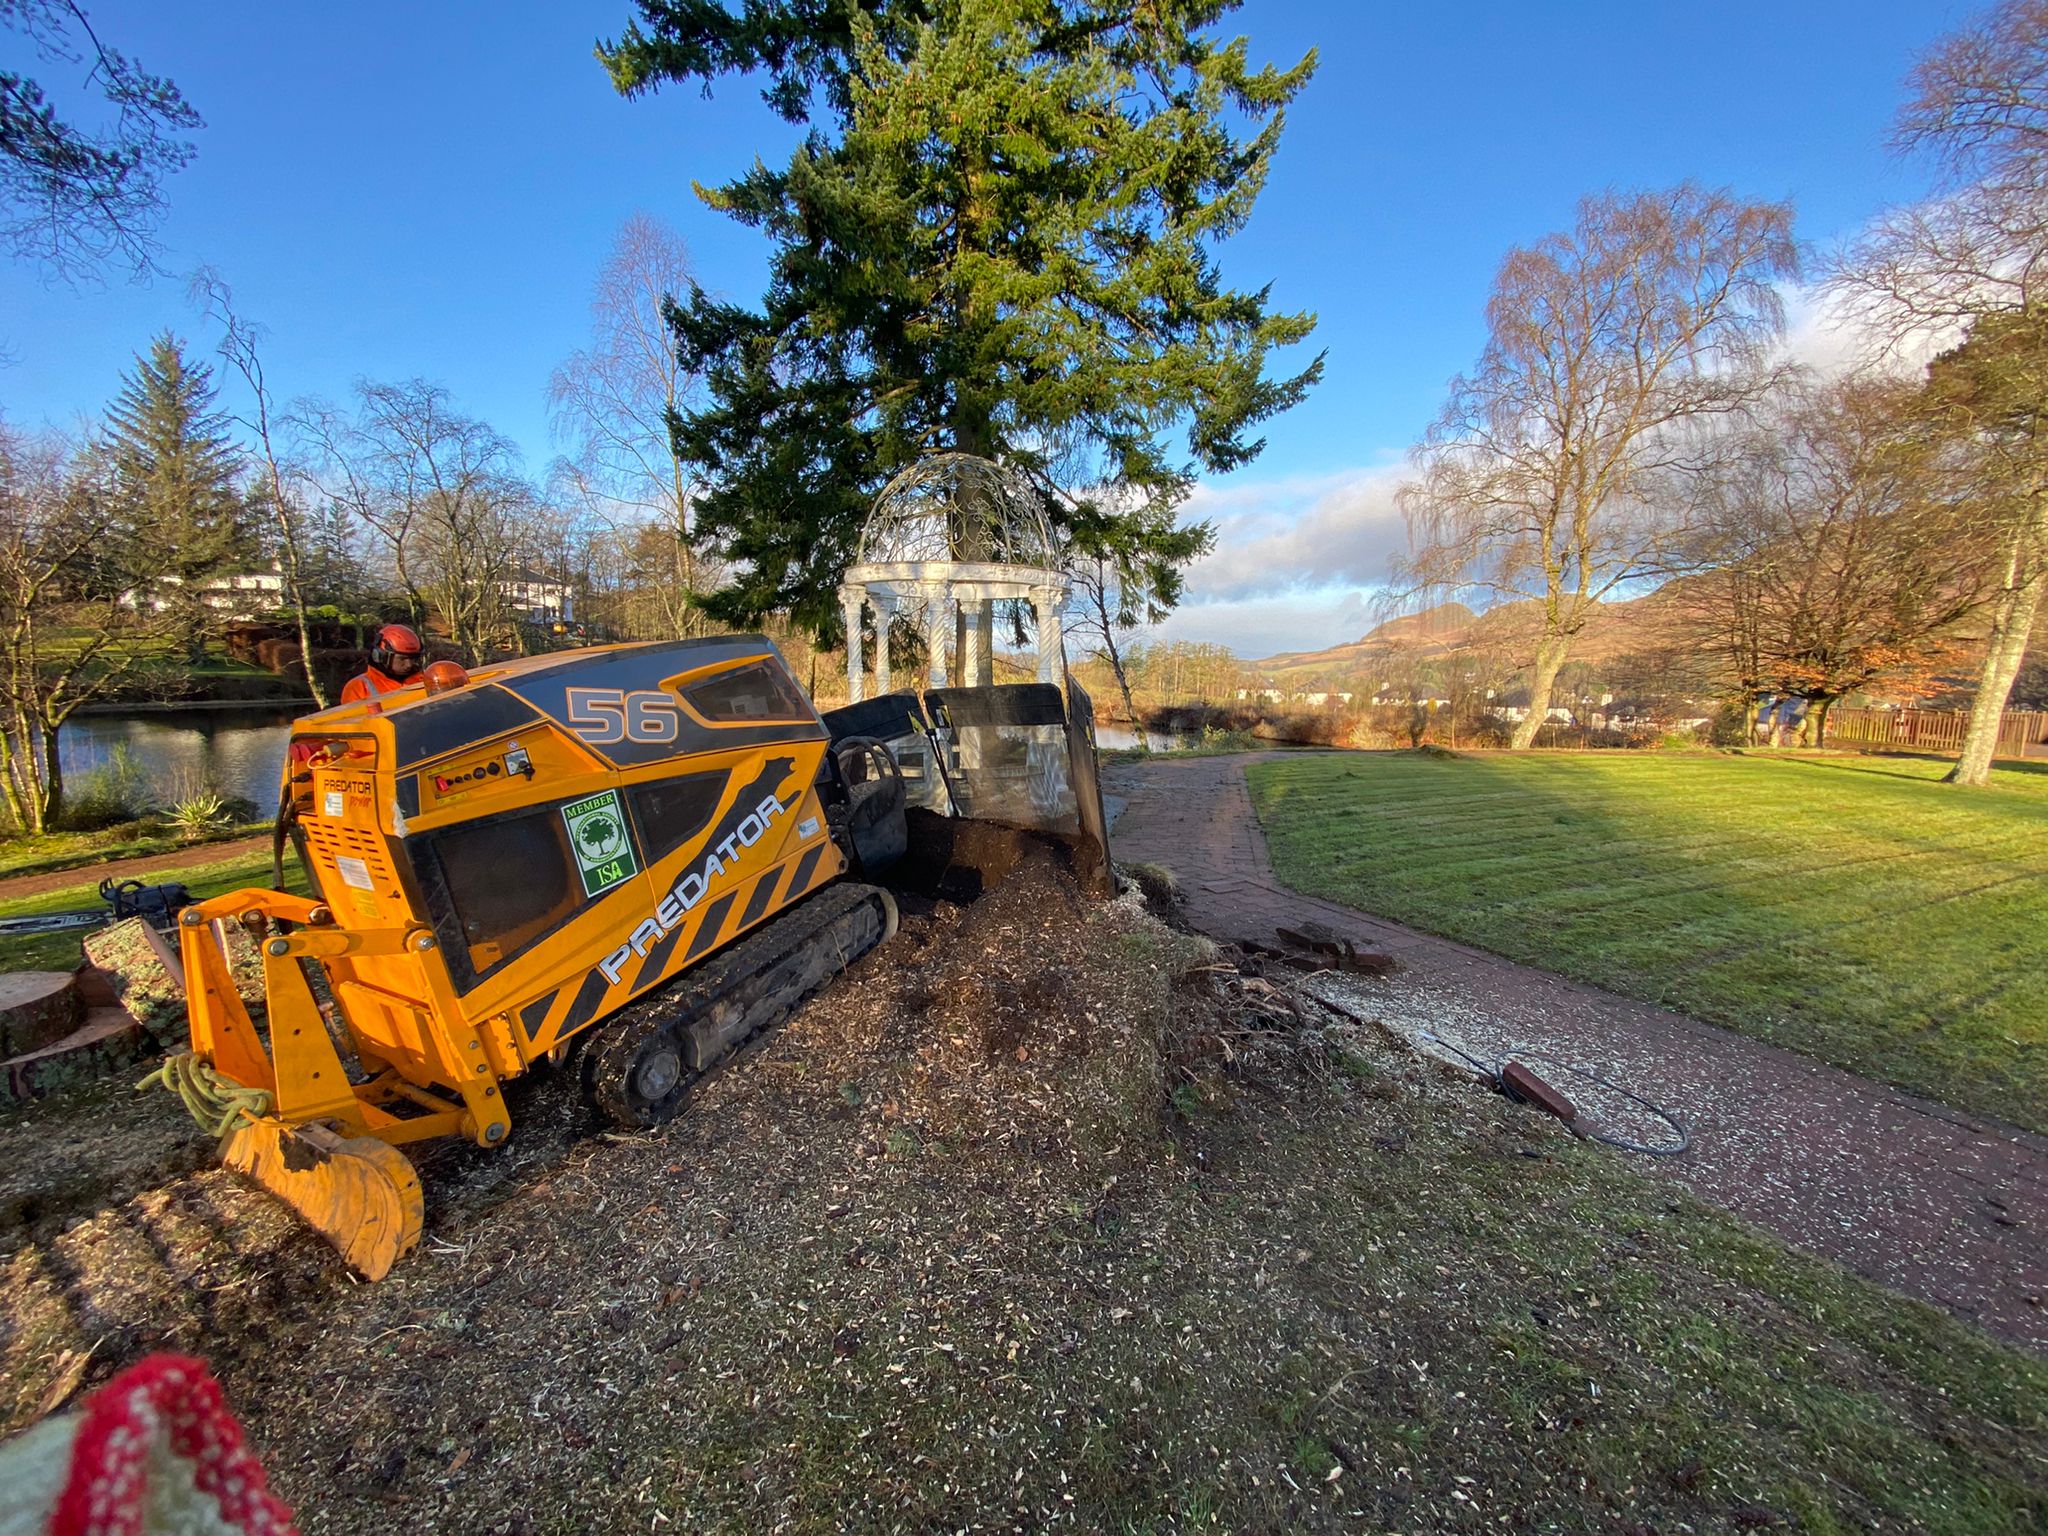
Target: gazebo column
x,y
1050,603
885,615
981,643
936,602
849,608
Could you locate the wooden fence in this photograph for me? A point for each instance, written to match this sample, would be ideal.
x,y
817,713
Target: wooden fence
x,y
1930,730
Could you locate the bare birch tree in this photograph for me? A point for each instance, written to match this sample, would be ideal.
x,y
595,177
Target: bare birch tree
x,y
1105,619
442,492
1841,560
1611,348
612,404
67,636
1971,265
240,349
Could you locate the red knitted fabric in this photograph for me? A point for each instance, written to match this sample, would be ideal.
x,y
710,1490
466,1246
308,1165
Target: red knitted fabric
x,y
177,1399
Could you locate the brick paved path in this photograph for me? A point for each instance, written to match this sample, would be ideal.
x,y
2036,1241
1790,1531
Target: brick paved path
x,y
1930,1201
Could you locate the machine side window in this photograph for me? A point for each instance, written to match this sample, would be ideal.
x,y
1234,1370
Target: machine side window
x,y
759,691
508,880
672,811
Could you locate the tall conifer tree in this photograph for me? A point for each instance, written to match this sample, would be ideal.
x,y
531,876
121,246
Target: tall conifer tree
x,y
998,238
175,469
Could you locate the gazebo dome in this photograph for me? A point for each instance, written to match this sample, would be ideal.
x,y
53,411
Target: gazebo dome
x,y
959,507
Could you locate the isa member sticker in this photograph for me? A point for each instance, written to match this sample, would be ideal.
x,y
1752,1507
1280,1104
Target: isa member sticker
x,y
597,831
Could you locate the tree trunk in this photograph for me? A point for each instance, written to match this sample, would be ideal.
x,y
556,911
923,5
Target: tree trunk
x,y
2012,624
1819,711
52,795
1550,657
1123,683
17,810
24,772
306,650
288,535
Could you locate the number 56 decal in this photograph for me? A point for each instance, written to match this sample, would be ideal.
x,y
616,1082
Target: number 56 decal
x,y
601,716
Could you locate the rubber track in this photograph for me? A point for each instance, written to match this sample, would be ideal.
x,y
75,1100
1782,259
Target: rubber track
x,y
768,974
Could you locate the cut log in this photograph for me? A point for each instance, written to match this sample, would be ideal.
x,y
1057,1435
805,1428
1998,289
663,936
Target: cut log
x,y
145,987
108,1041
36,1009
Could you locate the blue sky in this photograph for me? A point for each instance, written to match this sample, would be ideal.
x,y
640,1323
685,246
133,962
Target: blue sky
x,y
429,189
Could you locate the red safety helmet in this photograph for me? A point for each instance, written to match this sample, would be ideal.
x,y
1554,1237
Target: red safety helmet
x,y
397,651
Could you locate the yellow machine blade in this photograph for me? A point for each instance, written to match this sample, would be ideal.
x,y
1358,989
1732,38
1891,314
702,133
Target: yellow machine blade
x,y
359,1193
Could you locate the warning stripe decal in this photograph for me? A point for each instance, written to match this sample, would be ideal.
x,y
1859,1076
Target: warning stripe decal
x,y
709,930
758,901
657,959
800,882
588,996
714,923
534,1016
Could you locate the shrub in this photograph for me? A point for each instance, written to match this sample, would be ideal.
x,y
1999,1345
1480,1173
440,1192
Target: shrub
x,y
1216,738
278,655
1366,736
199,814
106,794
183,798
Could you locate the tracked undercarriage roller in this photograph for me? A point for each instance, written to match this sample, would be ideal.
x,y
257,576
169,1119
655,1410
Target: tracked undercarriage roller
x,y
642,1066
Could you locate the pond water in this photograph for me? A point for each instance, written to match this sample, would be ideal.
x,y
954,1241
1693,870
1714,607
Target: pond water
x,y
232,751
1122,737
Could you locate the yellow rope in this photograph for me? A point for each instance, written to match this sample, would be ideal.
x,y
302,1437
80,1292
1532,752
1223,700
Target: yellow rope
x,y
218,1103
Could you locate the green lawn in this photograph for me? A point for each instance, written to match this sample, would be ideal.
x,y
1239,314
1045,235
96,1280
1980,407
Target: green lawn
x,y
55,851
1851,908
62,951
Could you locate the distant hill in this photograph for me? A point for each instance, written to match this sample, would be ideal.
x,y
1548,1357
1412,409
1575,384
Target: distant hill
x,y
1616,629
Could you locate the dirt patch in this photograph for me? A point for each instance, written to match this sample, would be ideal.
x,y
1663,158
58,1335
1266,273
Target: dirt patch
x,y
67,1159
1014,1031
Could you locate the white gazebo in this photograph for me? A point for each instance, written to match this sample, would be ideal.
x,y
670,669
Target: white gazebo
x,y
949,538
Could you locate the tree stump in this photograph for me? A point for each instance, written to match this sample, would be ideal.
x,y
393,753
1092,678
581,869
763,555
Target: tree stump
x,y
108,1041
37,1008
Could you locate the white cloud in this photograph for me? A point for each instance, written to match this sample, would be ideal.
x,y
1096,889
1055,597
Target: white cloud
x,y
1275,537
1829,335
1308,620
1818,334
1298,561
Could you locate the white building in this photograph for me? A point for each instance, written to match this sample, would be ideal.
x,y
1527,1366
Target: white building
x,y
538,599
232,594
